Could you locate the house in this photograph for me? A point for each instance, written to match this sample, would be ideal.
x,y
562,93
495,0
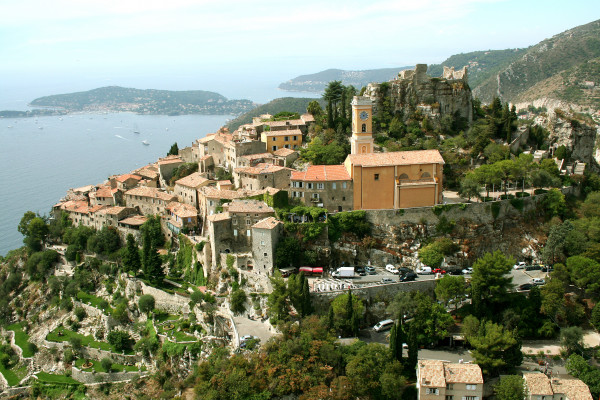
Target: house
x,y
149,174
132,225
442,380
110,216
187,187
285,156
104,196
167,166
251,160
327,186
126,181
181,217
265,236
148,200
226,149
211,198
282,139
541,387
262,176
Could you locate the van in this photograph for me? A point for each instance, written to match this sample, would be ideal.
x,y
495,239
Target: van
x,y
391,268
383,325
424,271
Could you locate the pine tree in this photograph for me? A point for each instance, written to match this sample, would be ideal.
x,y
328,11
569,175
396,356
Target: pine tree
x,y
413,350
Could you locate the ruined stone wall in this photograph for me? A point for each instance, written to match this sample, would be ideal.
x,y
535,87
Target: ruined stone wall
x,y
95,377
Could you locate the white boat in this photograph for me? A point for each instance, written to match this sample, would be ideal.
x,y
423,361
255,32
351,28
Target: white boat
x,y
136,129
146,143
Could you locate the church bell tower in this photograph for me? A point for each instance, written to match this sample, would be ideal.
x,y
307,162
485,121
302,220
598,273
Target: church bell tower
x,y
362,125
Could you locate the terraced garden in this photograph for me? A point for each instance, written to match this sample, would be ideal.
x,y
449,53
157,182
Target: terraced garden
x,y
22,340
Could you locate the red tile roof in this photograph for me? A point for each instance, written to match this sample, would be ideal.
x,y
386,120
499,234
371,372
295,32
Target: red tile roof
x,y
283,152
316,173
262,168
289,132
170,160
134,220
267,223
125,177
194,180
146,191
182,210
248,206
397,158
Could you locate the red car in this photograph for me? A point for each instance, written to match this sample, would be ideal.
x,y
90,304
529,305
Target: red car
x,y
439,271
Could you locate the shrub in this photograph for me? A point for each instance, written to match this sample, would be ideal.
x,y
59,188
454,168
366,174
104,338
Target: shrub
x,y
106,364
80,313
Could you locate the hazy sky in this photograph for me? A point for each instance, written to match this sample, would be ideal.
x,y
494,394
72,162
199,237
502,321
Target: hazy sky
x,y
174,43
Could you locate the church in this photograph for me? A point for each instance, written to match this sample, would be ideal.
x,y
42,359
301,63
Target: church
x,y
393,180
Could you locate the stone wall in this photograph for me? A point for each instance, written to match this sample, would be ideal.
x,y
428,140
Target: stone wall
x,y
173,303
95,377
97,354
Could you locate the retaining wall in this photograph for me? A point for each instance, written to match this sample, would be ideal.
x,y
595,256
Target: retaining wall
x,y
97,354
95,377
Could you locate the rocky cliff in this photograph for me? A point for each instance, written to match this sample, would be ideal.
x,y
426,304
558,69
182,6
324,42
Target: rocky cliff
x,y
414,90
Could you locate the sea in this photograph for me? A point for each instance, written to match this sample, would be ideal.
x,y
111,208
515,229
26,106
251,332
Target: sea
x,y
41,158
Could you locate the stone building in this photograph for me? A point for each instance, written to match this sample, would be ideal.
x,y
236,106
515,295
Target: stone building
x,y
226,148
110,216
211,199
444,380
327,186
262,176
265,235
132,225
187,187
148,200
285,157
149,174
181,216
126,181
166,166
104,196
541,387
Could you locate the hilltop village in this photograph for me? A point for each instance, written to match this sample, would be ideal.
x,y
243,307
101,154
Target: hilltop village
x,y
235,268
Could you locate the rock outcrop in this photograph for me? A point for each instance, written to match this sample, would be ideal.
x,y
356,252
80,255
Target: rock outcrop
x,y
414,90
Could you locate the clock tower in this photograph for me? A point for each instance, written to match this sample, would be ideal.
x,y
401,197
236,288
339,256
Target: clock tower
x,y
362,125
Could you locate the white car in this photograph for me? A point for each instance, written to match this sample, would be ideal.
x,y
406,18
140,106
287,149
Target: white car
x,y
424,271
467,271
392,269
520,265
538,281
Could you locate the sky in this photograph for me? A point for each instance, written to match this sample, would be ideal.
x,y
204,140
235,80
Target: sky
x,y
207,44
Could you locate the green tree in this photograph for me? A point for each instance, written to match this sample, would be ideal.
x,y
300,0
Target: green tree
x,y
174,150
585,274
343,316
554,203
554,251
510,387
131,256
287,253
571,339
580,369
106,364
120,340
153,270
469,187
495,349
238,301
314,108
277,303
146,303
490,280
34,229
366,368
451,287
431,320
431,256
413,350
596,317
333,94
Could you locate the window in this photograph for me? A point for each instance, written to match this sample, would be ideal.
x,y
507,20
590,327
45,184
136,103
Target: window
x,y
449,397
286,138
264,254
295,137
248,222
470,397
274,148
344,185
344,198
376,177
333,185
471,387
262,242
274,139
435,391
449,386
364,127
235,232
234,221
210,203
287,146
248,233
320,186
315,195
309,185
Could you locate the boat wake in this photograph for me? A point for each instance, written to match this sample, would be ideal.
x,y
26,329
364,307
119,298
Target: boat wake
x,y
121,137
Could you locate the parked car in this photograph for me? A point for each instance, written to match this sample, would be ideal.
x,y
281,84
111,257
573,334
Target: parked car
x,y
383,325
538,281
387,280
467,271
404,270
534,267
520,265
439,271
392,269
360,271
526,286
424,271
408,277
370,270
547,268
455,272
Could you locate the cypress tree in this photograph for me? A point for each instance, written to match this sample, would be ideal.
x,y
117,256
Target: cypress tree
x,y
399,339
154,271
394,342
413,350
330,320
306,301
131,258
349,313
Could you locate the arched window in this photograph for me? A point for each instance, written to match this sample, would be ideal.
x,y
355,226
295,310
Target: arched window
x,y
425,175
364,127
403,177
363,149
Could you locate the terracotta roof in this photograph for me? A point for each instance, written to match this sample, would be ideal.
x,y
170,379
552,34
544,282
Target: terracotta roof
x,y
289,132
574,389
283,152
149,172
276,124
437,373
135,220
83,189
80,206
397,158
267,223
146,191
538,384
125,177
248,206
262,168
206,138
102,192
218,217
224,182
307,117
315,173
194,180
206,157
114,210
212,192
182,210
463,373
169,160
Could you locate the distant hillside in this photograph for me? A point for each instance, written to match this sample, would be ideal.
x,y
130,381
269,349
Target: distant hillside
x,y
150,101
292,104
317,82
553,61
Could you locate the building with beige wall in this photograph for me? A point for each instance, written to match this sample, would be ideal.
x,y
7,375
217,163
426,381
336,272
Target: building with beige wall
x,y
327,186
265,236
148,200
104,196
181,217
262,176
442,380
186,188
285,139
541,387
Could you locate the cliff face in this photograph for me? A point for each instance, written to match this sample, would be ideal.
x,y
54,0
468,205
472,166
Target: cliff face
x,y
414,90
